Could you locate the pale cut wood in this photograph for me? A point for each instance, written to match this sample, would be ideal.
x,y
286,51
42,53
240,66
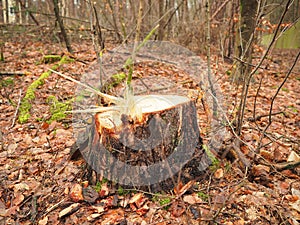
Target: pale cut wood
x,y
138,108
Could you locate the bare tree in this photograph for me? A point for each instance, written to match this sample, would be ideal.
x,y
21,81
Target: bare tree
x,y
160,35
61,25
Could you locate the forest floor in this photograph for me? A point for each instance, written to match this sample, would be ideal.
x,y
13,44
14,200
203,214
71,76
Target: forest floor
x,y
40,184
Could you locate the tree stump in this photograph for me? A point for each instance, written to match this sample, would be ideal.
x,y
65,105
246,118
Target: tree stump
x,y
153,146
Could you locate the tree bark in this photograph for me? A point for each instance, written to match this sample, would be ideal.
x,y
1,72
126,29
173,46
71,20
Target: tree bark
x,y
160,35
61,25
29,12
244,37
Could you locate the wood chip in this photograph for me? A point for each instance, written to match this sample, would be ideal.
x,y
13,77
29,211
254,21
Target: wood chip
x,y
69,210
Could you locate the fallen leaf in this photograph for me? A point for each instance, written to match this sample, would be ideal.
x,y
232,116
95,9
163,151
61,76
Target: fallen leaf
x,y
19,198
293,157
179,190
36,139
21,187
266,154
2,209
296,205
89,194
219,173
283,187
291,198
294,221
99,208
33,168
45,125
69,210
239,222
11,148
76,193
52,126
85,184
228,223
36,151
113,216
143,210
124,202
251,213
11,211
295,192
43,221
177,208
93,216
280,153
192,199
27,139
137,197
104,190
260,170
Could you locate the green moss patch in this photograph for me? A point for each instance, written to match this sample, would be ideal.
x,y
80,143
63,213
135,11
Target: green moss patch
x,y
58,109
25,106
113,81
51,59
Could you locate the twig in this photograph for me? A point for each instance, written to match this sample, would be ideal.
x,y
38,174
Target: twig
x,y
273,99
247,85
28,11
55,206
96,110
17,109
233,131
3,73
218,10
257,118
34,208
154,89
109,98
240,185
255,100
279,166
287,165
249,64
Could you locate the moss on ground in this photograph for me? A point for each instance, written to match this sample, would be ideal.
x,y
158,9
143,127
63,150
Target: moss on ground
x,y
51,59
58,109
113,81
25,106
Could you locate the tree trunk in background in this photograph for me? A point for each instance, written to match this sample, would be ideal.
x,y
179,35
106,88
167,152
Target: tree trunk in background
x,y
4,11
114,14
61,25
231,10
10,6
160,35
171,20
28,13
244,41
244,38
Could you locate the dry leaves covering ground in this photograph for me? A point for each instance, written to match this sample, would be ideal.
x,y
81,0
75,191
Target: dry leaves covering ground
x,y
39,184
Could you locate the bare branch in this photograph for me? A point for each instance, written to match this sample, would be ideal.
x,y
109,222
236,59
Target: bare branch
x,y
109,98
273,100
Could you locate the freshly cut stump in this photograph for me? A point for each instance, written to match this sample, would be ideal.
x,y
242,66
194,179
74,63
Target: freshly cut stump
x,y
154,145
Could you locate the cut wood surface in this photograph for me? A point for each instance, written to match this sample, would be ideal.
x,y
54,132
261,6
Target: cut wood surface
x,y
142,106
